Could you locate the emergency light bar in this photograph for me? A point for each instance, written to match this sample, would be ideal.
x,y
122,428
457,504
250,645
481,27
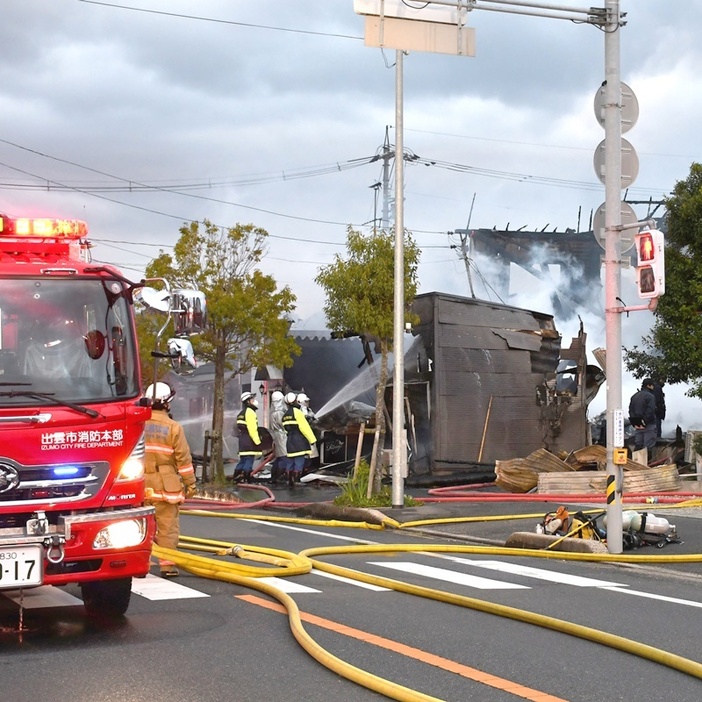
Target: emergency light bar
x,y
45,228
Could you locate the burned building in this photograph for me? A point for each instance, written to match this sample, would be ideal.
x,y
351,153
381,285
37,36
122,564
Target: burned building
x,y
490,387
483,381
537,253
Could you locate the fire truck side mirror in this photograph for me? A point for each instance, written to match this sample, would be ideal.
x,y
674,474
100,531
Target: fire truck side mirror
x,y
157,300
182,356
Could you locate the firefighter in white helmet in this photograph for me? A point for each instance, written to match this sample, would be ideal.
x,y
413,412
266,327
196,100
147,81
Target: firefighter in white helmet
x,y
280,462
301,438
304,401
249,437
170,476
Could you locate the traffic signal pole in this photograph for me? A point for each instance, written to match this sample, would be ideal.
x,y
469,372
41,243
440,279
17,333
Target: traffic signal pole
x,y
613,320
449,12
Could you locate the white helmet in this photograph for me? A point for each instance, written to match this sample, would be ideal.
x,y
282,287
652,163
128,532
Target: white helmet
x,y
290,398
277,396
245,397
161,392
302,398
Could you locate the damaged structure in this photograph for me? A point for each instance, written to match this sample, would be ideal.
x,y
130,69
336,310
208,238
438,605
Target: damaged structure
x,y
483,382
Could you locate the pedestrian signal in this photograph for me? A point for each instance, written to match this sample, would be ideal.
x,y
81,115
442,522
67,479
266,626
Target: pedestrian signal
x,y
650,268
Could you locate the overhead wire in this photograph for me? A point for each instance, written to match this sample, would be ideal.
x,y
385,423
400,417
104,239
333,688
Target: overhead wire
x,y
215,20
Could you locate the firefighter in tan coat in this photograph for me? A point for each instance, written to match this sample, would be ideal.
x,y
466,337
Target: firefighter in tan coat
x,y
170,476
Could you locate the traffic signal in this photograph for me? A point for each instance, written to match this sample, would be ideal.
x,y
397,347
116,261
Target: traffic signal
x,y
650,268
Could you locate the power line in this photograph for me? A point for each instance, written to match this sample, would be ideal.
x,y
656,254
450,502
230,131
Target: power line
x,y
215,20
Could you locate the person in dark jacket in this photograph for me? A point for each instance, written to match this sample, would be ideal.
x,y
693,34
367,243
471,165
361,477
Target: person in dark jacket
x,y
249,438
642,415
300,440
660,405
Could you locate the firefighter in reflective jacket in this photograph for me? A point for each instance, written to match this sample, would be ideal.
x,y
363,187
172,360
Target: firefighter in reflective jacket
x,y
168,467
249,437
300,440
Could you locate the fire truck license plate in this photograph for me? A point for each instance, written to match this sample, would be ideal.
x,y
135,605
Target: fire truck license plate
x,y
20,567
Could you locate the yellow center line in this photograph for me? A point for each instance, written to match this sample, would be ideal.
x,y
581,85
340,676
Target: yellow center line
x,y
465,671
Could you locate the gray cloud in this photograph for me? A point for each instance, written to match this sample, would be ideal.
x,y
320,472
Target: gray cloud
x,y
244,108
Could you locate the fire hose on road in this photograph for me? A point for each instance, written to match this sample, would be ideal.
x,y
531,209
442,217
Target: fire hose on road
x,y
272,562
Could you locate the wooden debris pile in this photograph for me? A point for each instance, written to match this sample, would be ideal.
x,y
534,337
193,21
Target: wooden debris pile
x,y
580,472
522,474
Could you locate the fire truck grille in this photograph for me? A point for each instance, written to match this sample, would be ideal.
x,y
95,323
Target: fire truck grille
x,y
26,486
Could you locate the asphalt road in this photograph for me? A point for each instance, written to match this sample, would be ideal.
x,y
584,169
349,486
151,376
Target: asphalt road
x,y
197,639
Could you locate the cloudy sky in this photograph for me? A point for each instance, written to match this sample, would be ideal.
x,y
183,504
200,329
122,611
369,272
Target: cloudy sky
x,y
142,115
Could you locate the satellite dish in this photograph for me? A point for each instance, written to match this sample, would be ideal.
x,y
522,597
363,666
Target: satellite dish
x,y
158,300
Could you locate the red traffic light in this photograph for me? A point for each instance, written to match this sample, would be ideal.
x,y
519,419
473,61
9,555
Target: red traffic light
x,y
646,248
650,269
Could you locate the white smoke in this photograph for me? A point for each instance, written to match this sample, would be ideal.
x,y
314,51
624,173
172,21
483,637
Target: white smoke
x,y
538,293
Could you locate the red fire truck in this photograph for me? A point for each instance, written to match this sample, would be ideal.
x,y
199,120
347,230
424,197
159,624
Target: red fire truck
x,y
72,415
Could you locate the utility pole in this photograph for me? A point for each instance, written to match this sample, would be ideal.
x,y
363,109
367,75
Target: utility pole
x,y
387,155
399,433
613,272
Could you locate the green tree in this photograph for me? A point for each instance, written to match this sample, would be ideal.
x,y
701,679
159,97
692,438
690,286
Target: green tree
x,y
672,350
247,315
360,298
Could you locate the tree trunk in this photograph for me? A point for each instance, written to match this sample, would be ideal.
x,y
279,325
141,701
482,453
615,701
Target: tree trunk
x,y
374,481
218,418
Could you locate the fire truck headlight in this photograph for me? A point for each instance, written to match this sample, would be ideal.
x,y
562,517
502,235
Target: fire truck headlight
x,y
132,469
126,534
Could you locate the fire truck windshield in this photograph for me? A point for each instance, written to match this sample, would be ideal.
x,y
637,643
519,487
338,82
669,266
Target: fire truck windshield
x,y
68,338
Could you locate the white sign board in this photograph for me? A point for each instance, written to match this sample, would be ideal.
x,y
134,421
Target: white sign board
x,y
618,428
408,35
626,236
630,164
630,107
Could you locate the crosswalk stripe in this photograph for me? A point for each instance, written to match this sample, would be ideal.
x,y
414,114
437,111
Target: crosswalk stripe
x,y
287,585
350,581
653,596
155,588
538,573
450,576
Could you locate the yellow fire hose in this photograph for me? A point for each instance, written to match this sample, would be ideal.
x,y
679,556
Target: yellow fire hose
x,y
280,563
245,576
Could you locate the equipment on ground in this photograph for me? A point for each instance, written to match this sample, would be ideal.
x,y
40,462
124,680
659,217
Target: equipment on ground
x,y
638,528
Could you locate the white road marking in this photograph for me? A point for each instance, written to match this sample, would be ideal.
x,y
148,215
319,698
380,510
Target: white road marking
x,y
651,596
287,585
152,587
450,576
306,530
538,573
350,581
44,596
